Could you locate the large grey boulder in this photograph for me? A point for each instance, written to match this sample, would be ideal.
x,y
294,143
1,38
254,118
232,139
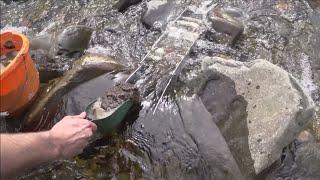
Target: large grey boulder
x,y
268,102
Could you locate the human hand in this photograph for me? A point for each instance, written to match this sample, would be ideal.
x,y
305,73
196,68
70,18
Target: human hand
x,y
71,135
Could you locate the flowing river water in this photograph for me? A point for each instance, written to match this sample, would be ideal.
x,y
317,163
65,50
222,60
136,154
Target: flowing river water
x,y
155,145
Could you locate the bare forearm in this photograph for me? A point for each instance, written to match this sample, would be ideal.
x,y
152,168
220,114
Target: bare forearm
x,y
66,139
20,152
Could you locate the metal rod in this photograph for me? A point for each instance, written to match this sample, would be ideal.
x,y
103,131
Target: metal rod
x,y
169,82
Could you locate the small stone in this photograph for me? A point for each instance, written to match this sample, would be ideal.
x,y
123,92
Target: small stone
x,y
305,137
123,5
74,39
225,22
158,12
101,156
234,12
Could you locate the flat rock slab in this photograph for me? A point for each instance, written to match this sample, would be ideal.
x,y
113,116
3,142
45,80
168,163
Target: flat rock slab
x,y
277,108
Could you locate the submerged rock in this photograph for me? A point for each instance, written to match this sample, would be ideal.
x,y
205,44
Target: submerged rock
x,y
159,12
299,160
45,107
123,5
53,53
227,20
212,148
182,142
308,160
74,39
229,112
277,108
44,42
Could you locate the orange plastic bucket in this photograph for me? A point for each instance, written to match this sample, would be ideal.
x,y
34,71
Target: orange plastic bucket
x,y
19,81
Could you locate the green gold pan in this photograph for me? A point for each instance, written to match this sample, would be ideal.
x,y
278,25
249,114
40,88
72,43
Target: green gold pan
x,y
107,124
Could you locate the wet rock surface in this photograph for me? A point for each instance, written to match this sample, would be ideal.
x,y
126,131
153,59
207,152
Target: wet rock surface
x,y
299,160
214,153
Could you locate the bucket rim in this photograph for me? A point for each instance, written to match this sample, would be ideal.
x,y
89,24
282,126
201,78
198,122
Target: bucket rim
x,y
23,51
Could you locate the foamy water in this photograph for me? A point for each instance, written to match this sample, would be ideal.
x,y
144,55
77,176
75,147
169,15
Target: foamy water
x,y
306,75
